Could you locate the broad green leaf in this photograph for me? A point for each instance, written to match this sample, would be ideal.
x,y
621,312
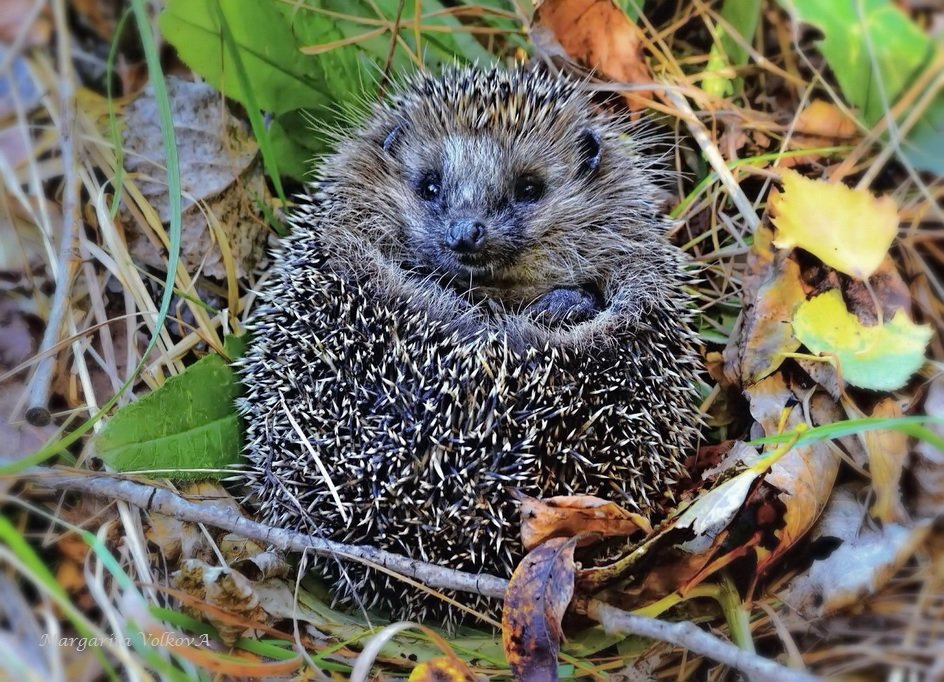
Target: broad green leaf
x,y
880,357
874,49
304,63
282,78
188,423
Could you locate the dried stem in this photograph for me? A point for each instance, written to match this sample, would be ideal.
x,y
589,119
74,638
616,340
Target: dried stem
x,y
163,501
65,268
696,640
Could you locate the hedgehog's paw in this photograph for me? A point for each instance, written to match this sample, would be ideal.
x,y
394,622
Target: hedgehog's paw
x,y
565,306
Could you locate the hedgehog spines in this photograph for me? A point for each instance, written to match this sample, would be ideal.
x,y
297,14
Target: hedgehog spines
x,y
427,408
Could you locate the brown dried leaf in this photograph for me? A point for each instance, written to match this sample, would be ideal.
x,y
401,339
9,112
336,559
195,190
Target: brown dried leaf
x,y
181,540
888,452
223,588
218,165
12,14
682,550
566,516
825,121
865,561
598,34
927,470
804,476
773,290
537,597
17,437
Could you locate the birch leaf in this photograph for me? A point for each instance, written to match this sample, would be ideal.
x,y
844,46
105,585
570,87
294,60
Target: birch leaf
x,y
879,357
848,229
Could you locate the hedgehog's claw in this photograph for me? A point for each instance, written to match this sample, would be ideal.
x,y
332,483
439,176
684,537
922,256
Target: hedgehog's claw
x,y
565,306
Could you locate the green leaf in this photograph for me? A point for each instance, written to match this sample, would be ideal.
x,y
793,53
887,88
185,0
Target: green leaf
x,y
856,32
742,16
281,77
259,61
189,423
879,357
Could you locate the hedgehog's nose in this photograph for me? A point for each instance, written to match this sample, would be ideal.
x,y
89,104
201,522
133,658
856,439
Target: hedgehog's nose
x,y
465,235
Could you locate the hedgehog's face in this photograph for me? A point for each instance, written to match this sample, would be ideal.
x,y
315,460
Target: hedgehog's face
x,y
482,208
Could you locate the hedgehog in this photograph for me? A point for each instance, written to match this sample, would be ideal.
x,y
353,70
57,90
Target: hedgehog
x,y
478,298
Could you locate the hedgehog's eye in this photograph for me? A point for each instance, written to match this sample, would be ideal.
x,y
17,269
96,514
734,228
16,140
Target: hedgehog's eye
x,y
430,186
589,150
528,188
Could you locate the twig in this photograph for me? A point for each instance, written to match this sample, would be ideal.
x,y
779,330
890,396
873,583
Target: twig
x,y
65,266
388,62
696,640
700,133
165,502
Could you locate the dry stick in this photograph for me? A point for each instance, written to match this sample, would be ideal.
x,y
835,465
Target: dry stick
x,y
696,640
700,133
394,34
65,266
162,501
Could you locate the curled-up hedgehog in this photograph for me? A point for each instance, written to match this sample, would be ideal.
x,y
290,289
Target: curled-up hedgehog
x,y
477,297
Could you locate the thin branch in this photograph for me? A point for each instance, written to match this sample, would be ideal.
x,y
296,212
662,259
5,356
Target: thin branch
x,y
163,501
691,637
66,266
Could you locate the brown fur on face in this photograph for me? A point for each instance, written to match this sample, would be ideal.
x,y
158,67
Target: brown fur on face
x,y
596,222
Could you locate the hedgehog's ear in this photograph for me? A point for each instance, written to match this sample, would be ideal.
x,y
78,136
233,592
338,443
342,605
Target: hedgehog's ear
x,y
391,138
590,151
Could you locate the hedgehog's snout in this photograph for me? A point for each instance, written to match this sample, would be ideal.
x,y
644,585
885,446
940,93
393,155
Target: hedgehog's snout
x,y
466,236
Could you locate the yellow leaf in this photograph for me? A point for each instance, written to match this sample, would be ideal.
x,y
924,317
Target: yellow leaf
x,y
441,669
880,357
888,452
848,229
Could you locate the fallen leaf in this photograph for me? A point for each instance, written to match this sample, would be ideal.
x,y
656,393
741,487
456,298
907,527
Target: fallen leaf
x,y
848,229
601,36
18,77
825,121
568,516
181,540
879,357
223,588
154,434
887,452
865,560
535,601
927,469
12,14
803,477
676,556
441,669
218,166
876,53
773,289
18,438
101,17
